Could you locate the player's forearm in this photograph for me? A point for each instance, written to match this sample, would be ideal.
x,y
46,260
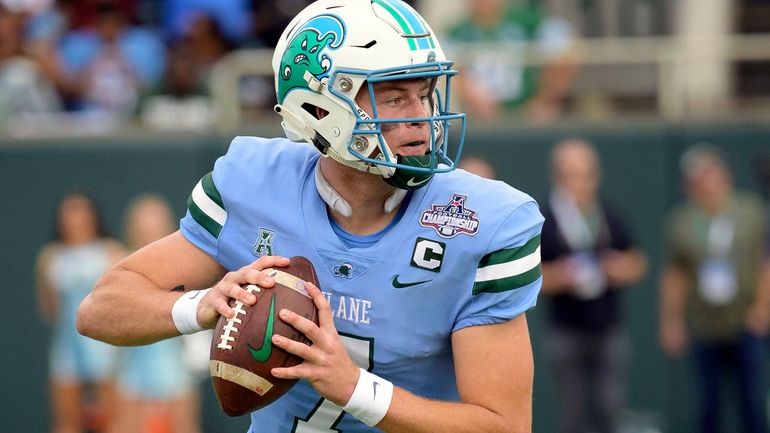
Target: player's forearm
x,y
409,413
126,308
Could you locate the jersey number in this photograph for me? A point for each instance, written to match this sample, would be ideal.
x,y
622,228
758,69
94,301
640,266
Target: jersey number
x,y
326,415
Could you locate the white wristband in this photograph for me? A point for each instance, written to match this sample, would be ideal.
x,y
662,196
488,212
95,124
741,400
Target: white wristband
x,y
371,398
185,311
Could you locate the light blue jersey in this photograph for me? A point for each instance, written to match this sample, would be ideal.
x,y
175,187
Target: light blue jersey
x,y
466,252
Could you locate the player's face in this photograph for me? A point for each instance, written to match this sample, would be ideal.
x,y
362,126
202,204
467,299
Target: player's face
x,y
398,99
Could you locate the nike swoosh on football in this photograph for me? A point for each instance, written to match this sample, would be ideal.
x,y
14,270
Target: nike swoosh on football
x,y
411,182
263,353
399,285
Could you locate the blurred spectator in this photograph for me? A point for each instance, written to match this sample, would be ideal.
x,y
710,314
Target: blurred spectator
x,y
492,46
156,389
67,269
271,17
182,102
105,67
711,293
206,43
478,166
588,257
24,88
86,14
231,16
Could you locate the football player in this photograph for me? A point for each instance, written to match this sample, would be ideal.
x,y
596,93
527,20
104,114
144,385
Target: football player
x,y
426,271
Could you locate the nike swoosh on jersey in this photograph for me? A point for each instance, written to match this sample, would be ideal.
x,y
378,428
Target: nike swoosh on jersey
x,y
263,353
399,285
411,182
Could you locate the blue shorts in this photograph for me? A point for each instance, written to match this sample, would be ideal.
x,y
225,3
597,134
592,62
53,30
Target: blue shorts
x,y
76,358
155,372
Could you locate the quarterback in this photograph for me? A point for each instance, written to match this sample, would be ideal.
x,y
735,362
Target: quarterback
x,y
426,272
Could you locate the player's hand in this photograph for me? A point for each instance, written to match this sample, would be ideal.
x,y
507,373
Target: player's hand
x,y
216,301
327,365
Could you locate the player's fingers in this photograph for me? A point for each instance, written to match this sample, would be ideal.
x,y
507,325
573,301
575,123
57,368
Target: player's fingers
x,y
228,290
303,325
260,278
300,371
220,304
295,347
325,319
265,262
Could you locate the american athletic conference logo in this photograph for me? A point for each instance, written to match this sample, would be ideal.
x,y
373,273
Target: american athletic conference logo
x,y
451,219
263,246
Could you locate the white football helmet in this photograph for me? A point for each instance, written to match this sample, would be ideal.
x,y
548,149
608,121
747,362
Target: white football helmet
x,y
333,48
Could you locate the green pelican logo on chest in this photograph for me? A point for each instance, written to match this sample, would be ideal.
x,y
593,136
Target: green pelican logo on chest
x,y
306,52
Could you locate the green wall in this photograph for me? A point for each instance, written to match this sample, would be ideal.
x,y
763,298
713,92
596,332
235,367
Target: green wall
x,y
639,160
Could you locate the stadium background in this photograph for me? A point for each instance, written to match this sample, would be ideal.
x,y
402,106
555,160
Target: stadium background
x,y
640,157
639,147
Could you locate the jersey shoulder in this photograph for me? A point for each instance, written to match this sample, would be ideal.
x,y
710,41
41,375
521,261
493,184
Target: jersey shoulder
x,y
256,161
252,166
503,246
495,198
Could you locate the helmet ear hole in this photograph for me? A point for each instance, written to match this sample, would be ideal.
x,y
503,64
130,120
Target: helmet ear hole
x,y
314,110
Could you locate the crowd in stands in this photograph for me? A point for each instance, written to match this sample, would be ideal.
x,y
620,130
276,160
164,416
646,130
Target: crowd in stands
x,y
151,61
123,59
117,60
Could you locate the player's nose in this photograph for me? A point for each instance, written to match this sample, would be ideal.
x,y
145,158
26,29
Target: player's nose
x,y
416,109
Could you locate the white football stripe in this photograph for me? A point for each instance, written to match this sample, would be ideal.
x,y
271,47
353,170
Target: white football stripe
x,y
509,269
207,205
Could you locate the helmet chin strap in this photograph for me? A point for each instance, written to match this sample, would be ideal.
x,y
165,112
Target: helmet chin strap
x,y
406,179
339,204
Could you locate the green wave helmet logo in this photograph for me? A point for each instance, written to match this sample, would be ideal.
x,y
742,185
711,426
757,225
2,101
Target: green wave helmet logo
x,y
306,51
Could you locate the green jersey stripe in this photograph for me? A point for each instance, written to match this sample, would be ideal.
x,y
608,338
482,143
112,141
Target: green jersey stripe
x,y
509,269
510,254
203,219
206,204
509,283
211,190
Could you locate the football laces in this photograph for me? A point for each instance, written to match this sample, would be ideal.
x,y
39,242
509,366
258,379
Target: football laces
x,y
231,327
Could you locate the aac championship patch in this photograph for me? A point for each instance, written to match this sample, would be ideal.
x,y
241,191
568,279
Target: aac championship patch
x,y
451,219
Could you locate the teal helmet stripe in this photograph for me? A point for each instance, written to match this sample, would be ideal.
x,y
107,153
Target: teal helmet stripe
x,y
410,23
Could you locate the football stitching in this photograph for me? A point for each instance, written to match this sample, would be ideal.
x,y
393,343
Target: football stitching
x,y
230,327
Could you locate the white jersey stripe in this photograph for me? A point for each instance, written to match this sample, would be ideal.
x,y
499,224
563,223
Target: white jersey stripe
x,y
207,205
509,269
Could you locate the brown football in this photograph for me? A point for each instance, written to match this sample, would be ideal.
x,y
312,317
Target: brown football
x,y
242,353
